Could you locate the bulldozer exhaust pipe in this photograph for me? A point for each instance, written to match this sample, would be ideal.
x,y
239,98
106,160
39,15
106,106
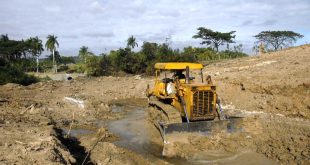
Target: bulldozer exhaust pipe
x,y
187,75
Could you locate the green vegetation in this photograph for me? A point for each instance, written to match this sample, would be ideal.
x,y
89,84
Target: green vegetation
x,y
50,45
83,53
275,40
214,38
36,48
19,56
13,74
131,42
124,60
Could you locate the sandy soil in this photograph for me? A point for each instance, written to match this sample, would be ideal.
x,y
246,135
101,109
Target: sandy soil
x,y
270,91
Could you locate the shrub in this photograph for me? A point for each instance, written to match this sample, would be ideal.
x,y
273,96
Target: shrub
x,y
92,67
12,75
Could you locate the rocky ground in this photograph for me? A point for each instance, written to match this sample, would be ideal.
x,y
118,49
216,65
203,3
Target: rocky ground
x,y
75,122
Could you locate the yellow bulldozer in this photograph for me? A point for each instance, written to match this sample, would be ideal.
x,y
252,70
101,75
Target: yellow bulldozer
x,y
180,102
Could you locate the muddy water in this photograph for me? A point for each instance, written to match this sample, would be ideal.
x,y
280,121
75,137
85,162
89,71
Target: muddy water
x,y
133,133
76,132
137,135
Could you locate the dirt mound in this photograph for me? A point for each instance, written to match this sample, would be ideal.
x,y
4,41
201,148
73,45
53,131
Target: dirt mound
x,y
275,82
272,92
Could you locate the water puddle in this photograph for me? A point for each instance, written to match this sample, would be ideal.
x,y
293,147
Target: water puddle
x,y
137,135
247,157
134,134
117,108
77,132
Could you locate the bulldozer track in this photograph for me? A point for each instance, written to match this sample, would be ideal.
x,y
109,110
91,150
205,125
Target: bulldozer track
x,y
169,111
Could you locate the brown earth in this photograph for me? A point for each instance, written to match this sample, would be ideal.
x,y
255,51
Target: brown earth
x,y
271,91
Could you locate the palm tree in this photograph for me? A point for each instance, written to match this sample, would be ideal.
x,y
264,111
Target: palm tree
x,y
4,37
83,53
131,42
50,45
36,48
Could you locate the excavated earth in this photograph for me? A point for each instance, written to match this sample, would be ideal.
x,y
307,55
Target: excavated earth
x,y
104,120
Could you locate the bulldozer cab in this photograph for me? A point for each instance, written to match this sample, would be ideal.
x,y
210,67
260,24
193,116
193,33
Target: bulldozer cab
x,y
180,71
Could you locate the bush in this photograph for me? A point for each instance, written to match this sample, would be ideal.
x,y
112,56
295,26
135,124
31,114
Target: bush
x,y
13,75
62,68
92,67
78,68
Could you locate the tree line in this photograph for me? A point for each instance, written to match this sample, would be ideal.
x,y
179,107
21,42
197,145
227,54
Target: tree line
x,y
19,56
125,60
14,51
128,61
24,54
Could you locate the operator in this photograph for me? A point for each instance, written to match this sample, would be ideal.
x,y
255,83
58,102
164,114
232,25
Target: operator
x,y
178,74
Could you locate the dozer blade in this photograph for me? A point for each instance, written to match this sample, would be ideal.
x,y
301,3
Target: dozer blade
x,y
230,125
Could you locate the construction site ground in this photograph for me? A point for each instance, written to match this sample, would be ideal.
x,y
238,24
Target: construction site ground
x,y
104,120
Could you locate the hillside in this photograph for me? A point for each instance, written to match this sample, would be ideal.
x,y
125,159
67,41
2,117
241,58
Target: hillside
x,y
276,82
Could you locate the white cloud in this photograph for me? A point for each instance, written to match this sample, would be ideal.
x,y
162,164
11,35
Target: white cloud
x,y
53,9
96,7
101,24
99,34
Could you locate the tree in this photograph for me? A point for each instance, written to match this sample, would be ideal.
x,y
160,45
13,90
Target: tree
x,y
12,50
50,45
105,65
165,53
124,60
278,39
131,42
4,37
56,57
149,50
67,60
92,65
36,48
83,53
214,37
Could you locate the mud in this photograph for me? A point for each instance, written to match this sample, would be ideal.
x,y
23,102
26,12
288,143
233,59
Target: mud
x,y
103,120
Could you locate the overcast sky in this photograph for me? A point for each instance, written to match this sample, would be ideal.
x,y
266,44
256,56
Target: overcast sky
x,y
106,24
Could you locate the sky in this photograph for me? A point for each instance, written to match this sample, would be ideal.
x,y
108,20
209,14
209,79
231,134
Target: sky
x,y
103,25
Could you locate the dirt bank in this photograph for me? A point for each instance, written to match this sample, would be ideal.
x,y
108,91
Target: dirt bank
x,y
277,83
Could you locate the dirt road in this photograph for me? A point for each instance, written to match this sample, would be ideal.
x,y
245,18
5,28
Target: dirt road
x,y
104,120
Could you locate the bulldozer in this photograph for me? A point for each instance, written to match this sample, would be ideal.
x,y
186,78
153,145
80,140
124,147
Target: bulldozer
x,y
179,102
